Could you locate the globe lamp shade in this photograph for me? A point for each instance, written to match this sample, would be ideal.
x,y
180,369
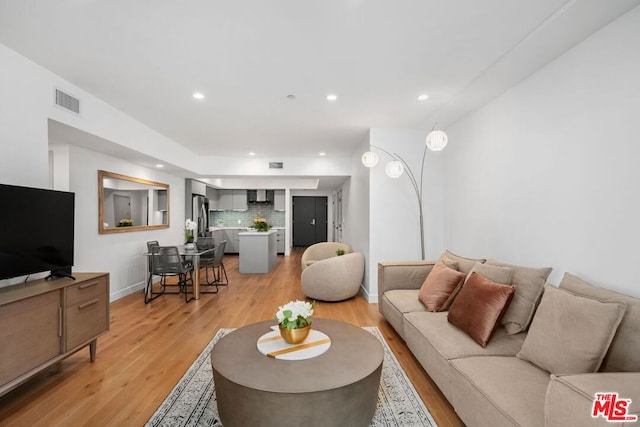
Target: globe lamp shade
x,y
394,169
370,159
436,140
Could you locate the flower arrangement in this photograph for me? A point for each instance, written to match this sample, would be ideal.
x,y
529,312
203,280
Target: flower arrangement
x,y
189,227
261,224
125,222
295,314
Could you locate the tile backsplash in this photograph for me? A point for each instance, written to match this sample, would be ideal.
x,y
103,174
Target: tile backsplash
x,y
231,218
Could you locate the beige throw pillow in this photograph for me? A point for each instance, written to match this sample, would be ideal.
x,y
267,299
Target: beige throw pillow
x,y
494,273
464,264
529,283
570,334
438,286
624,352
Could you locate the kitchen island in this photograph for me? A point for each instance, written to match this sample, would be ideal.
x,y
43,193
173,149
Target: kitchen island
x,y
258,251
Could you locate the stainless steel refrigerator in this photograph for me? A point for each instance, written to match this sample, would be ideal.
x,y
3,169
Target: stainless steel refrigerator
x,y
200,213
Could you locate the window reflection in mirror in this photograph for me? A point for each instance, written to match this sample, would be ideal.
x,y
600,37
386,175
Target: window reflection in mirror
x,y
131,204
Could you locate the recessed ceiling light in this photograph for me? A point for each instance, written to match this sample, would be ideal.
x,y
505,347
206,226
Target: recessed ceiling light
x,y
322,153
423,97
251,153
198,95
159,165
332,97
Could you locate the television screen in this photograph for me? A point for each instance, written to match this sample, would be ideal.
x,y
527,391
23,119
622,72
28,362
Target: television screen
x,y
37,231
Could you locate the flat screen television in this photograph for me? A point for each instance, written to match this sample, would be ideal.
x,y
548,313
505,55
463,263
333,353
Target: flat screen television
x,y
36,231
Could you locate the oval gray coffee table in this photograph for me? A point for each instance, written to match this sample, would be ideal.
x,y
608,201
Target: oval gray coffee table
x,y
339,387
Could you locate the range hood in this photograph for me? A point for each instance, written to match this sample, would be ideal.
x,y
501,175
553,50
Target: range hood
x,y
260,196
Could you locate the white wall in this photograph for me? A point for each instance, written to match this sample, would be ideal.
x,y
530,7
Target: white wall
x,y
24,160
355,214
121,254
394,224
27,96
547,174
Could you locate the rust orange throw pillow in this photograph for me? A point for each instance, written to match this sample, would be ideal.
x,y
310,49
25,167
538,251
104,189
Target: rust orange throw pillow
x,y
479,306
439,285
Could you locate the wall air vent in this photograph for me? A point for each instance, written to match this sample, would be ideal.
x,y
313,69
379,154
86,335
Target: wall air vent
x,y
68,102
275,165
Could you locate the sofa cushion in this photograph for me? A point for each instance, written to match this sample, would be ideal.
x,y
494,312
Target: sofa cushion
x,y
395,303
439,285
569,398
624,351
434,342
529,283
452,343
570,334
498,391
464,264
479,306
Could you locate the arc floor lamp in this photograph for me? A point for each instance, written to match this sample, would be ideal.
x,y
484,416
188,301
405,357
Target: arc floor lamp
x,y
436,141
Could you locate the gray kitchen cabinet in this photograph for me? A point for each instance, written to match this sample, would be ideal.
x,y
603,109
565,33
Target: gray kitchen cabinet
x,y
212,195
232,200
239,200
278,200
228,236
225,200
280,240
218,236
236,239
233,240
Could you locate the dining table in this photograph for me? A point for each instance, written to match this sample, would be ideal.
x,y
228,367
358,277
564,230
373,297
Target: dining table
x,y
194,254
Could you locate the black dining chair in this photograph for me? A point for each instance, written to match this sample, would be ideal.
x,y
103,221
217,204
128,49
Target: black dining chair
x,y
207,261
148,290
218,265
167,262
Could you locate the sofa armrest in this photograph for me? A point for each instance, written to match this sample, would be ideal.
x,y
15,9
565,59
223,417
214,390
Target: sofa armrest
x,y
569,398
402,275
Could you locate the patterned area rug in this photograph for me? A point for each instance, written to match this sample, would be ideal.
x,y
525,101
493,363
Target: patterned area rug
x,y
192,402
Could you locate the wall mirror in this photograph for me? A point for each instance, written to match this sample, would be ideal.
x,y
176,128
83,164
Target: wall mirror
x,y
127,204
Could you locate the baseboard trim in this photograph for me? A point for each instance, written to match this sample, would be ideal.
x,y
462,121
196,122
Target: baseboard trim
x,y
371,299
121,293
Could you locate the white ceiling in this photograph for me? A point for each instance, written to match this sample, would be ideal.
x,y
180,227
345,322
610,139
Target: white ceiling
x,y
147,57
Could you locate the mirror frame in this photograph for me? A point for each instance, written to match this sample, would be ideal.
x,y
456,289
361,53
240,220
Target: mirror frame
x,y
101,229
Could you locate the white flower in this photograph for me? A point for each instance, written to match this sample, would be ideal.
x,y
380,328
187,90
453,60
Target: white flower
x,y
190,225
296,313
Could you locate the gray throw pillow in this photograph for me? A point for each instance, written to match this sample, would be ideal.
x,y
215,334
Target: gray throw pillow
x,y
529,283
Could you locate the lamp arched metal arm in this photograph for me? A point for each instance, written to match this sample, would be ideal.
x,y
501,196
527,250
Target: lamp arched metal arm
x,y
417,187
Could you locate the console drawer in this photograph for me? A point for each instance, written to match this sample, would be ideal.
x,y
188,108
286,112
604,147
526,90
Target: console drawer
x,y
86,290
86,320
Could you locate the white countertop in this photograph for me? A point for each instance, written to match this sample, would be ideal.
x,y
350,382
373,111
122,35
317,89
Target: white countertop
x,y
257,233
239,228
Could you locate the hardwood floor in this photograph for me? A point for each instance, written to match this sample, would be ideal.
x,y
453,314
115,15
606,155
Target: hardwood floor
x,y
149,347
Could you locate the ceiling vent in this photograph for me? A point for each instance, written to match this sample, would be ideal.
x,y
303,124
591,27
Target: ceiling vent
x,y
275,165
68,102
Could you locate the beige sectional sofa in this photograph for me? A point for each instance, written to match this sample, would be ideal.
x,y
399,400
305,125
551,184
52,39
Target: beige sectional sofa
x,y
498,385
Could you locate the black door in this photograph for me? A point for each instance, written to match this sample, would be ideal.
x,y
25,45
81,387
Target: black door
x,y
309,220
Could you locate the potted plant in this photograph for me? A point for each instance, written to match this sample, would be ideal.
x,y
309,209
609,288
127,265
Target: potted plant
x,y
261,224
294,320
189,227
